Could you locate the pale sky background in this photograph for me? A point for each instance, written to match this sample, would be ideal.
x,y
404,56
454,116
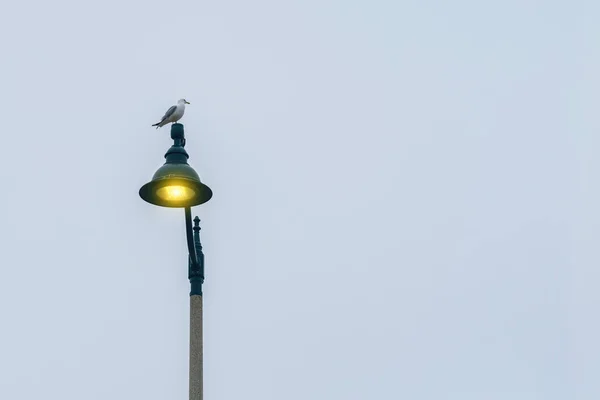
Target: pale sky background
x,y
406,199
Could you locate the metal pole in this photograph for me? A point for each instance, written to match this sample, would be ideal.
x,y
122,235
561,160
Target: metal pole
x,y
196,356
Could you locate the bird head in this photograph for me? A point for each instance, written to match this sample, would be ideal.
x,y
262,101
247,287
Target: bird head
x,y
184,101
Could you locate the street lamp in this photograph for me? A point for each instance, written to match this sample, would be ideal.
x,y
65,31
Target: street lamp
x,y
177,185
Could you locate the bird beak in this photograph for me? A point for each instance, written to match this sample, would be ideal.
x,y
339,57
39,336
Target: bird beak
x,y
187,102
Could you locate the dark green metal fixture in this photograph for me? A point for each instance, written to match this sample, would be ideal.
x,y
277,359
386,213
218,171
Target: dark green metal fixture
x,y
196,268
177,185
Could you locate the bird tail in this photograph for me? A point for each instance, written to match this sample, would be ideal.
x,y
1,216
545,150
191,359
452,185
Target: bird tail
x,y
157,125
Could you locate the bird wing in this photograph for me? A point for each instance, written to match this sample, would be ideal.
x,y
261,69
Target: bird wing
x,y
169,112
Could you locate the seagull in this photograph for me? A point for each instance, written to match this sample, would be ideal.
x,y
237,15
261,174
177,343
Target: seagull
x,y
173,114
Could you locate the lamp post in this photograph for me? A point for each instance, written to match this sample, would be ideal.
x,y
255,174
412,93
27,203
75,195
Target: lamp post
x,y
177,185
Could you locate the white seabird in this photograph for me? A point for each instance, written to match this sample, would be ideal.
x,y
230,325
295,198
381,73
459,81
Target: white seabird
x,y
173,114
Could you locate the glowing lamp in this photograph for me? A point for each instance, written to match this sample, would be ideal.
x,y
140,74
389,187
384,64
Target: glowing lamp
x,y
176,184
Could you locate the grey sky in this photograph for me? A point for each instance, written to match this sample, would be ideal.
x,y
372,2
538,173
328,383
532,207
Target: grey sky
x,y
405,199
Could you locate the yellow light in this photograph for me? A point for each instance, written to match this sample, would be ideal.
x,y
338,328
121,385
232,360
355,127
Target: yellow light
x,y
175,193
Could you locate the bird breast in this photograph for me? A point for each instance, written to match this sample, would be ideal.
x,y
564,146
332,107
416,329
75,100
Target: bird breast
x,y
178,113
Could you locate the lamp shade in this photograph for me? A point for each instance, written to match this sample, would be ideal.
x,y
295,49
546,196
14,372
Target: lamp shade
x,y
176,184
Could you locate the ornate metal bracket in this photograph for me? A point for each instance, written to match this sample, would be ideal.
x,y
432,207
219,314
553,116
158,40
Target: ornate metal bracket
x,y
196,256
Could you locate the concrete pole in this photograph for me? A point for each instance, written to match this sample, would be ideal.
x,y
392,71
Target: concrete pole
x,y
196,355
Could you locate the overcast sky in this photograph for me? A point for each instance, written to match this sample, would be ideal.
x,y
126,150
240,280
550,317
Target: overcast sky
x,y
406,200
